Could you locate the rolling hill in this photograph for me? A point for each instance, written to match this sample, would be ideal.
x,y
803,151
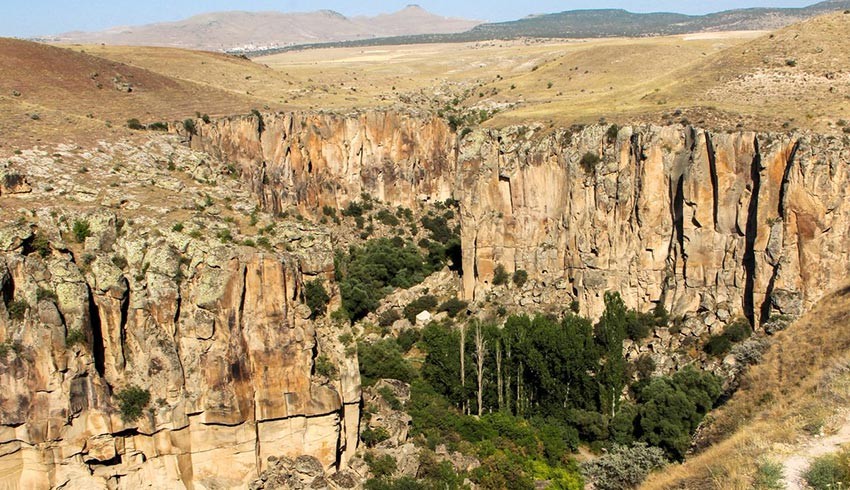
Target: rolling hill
x,y
605,23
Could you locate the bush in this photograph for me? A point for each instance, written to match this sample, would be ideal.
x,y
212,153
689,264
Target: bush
x,y
612,133
131,401
42,294
387,218
768,476
388,317
41,244
589,161
417,306
383,466
17,309
317,298
500,276
718,345
453,306
189,126
383,360
738,330
407,338
520,278
135,124
624,467
158,126
372,437
324,367
81,230
827,471
389,396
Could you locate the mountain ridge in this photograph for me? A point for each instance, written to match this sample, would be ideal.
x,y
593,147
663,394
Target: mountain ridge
x,y
243,30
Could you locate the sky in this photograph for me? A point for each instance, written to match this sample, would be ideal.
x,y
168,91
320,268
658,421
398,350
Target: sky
x,y
30,18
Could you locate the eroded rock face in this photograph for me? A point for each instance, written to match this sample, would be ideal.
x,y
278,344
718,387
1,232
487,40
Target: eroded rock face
x,y
672,214
215,331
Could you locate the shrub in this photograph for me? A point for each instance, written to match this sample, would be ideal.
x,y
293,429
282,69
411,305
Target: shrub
x,y
189,126
768,476
42,294
324,367
453,306
500,276
75,336
387,394
751,351
738,330
827,471
383,359
520,278
387,218
372,437
135,124
178,227
317,298
417,306
17,309
41,244
388,317
624,467
383,466
81,230
718,345
131,401
407,338
158,126
589,161
612,133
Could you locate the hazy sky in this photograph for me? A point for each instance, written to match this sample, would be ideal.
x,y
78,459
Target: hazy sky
x,y
27,18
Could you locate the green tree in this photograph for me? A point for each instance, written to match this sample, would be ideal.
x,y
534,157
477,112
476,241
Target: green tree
x,y
611,331
317,298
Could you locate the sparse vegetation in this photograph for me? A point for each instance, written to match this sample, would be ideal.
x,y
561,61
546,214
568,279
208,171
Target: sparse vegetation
x,y
132,400
589,161
17,309
317,297
81,230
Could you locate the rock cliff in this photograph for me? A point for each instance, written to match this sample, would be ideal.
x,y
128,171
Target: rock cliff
x,y
104,289
746,222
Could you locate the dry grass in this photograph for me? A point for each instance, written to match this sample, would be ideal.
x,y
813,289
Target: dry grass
x,y
801,387
76,96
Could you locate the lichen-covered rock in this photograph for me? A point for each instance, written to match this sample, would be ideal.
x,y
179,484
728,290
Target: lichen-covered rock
x,y
98,299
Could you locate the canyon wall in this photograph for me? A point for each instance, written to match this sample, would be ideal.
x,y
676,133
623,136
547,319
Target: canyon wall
x,y
216,332
743,222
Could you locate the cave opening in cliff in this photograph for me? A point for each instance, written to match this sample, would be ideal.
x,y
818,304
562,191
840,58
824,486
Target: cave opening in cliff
x,y
97,348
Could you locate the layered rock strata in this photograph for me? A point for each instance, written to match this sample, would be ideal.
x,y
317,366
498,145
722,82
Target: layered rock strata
x,y
688,217
97,297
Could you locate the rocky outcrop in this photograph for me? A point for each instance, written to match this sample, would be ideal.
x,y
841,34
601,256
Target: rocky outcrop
x,y
96,300
677,215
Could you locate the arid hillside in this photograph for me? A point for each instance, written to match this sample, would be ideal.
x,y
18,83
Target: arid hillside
x,y
51,94
791,402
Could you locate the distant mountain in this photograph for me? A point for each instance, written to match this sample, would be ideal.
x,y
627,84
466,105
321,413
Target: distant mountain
x,y
240,31
610,23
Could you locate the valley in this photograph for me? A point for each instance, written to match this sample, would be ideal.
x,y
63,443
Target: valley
x,y
524,263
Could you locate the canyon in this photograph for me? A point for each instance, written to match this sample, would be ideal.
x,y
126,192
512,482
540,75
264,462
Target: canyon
x,y
712,225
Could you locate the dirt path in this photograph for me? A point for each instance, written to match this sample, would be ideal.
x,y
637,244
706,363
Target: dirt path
x,y
796,464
